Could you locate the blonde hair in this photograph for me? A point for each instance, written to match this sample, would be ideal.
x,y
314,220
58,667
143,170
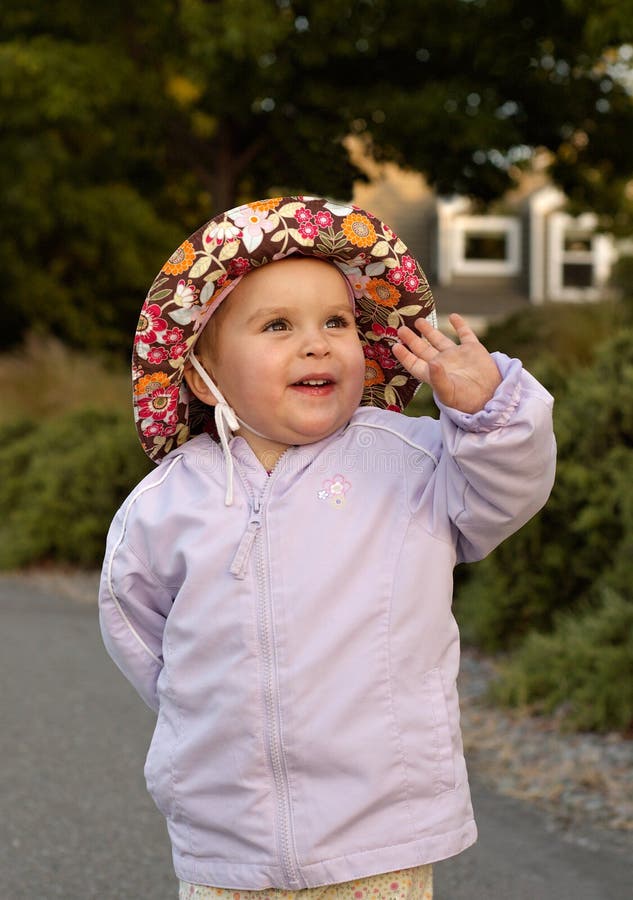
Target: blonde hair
x,y
207,343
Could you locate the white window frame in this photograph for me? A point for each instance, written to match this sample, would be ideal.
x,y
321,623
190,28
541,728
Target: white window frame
x,y
507,225
599,257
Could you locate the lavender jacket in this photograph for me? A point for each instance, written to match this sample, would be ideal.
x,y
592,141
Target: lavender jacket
x,y
299,646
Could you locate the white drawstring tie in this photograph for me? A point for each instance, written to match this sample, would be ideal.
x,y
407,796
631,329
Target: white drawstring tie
x,y
225,422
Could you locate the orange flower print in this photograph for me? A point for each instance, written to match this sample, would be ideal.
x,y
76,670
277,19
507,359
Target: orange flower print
x,y
181,260
265,205
358,230
382,293
373,373
152,382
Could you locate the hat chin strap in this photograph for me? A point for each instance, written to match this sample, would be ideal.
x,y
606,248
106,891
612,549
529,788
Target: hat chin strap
x,y
226,421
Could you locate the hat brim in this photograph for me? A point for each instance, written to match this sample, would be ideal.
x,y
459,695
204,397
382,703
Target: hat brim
x,y
388,284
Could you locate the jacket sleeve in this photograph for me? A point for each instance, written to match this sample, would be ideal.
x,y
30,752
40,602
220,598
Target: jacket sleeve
x,y
133,608
498,464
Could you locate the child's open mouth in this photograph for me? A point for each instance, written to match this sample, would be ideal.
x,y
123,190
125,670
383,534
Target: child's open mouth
x,y
316,387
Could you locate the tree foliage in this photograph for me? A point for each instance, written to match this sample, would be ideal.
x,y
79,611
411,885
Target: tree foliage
x,y
125,127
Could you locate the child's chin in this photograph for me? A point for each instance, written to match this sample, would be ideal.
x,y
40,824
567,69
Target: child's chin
x,y
313,435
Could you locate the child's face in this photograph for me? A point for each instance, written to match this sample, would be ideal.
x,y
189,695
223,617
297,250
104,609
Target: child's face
x,y
286,324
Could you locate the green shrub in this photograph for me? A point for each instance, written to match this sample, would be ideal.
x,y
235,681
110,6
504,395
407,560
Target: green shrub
x,y
423,404
622,280
558,593
62,481
558,338
554,562
583,670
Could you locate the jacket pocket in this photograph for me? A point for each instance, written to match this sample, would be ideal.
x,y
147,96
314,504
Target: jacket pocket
x,y
158,774
438,739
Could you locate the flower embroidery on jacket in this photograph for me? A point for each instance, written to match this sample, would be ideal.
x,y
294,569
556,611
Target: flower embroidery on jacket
x,y
334,490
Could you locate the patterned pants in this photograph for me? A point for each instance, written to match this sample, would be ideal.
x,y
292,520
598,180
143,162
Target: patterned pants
x,y
406,884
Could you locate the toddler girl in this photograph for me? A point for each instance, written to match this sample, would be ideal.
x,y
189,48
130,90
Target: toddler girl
x,y
279,588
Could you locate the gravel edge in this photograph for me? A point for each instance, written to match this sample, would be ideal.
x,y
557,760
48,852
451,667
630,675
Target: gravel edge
x,y
580,778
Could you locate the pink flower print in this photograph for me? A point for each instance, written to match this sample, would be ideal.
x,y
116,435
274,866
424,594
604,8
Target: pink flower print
x,y
177,350
334,490
382,355
220,232
154,429
383,332
185,294
308,230
357,282
160,405
323,219
239,266
159,429
150,325
173,336
411,282
253,225
303,215
408,264
397,275
157,355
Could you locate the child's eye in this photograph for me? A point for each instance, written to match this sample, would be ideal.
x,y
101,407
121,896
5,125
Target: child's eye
x,y
276,325
337,322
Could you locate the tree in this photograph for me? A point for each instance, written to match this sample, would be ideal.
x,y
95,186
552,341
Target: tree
x,y
81,173
126,127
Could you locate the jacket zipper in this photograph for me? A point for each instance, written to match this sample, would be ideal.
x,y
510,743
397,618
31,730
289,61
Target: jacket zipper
x,y
252,540
242,554
288,857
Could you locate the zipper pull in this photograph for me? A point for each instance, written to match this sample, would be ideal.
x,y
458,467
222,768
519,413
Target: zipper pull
x,y
243,552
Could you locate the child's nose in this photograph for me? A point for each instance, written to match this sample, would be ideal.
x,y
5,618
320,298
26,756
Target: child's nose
x,y
316,344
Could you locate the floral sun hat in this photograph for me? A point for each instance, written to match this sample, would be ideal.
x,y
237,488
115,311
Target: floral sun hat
x,y
387,283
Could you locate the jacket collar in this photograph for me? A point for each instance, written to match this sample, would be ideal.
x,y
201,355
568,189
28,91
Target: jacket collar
x,y
296,458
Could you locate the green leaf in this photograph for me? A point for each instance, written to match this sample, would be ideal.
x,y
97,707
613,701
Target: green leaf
x,y
380,248
200,266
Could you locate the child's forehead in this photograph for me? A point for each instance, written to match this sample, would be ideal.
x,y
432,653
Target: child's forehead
x,y
293,272
290,282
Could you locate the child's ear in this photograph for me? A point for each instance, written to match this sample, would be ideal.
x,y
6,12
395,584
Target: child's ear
x,y
197,386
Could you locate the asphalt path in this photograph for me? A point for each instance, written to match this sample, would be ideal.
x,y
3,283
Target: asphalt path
x,y
76,822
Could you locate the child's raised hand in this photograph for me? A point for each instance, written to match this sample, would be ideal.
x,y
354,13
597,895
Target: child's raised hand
x,y
463,376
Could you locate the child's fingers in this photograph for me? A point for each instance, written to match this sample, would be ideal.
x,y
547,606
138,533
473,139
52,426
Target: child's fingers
x,y
412,363
433,335
462,329
420,345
